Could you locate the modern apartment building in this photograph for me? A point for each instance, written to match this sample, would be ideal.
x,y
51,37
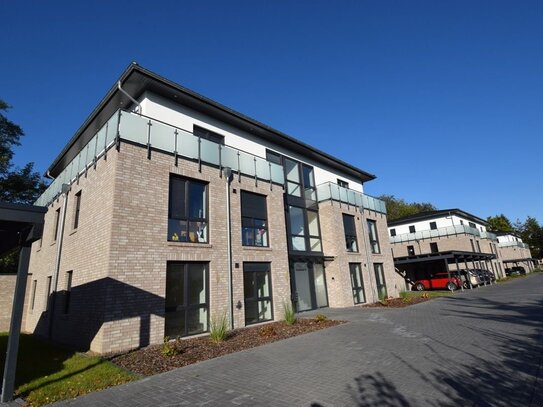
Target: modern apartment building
x,y
514,252
169,210
441,241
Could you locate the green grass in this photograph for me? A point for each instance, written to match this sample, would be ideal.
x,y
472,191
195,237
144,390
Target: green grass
x,y
48,373
416,294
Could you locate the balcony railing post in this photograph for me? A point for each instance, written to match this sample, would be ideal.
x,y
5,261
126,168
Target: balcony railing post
x,y
220,161
175,154
118,135
199,154
105,141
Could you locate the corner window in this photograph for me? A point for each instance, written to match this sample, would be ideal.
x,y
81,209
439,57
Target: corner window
x,y
372,234
433,225
300,177
292,172
357,283
187,219
350,233
434,248
186,299
410,250
77,207
254,220
310,192
304,230
257,292
412,229
392,232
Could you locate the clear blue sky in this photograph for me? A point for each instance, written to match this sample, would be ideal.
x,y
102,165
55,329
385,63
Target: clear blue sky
x,y
442,100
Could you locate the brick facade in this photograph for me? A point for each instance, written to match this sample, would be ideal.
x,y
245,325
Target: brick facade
x,y
7,282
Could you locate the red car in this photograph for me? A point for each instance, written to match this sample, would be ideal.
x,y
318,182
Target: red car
x,y
438,281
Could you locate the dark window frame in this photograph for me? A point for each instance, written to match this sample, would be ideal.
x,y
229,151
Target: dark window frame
x,y
48,284
342,183
472,245
412,229
433,247
410,250
255,298
301,183
378,276
206,134
77,210
433,225
254,224
350,233
307,236
392,232
360,289
373,236
472,225
68,293
187,306
187,218
57,224
274,157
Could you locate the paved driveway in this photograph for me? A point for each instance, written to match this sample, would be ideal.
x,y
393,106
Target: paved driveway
x,y
481,347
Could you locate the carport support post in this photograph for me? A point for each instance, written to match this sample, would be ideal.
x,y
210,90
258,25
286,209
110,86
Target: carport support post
x,y
459,274
448,271
10,367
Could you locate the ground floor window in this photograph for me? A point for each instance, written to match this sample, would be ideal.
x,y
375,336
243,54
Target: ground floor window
x,y
258,292
308,285
186,299
380,280
357,283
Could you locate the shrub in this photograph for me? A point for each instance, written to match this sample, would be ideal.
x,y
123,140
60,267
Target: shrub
x,y
267,331
171,348
218,328
320,318
288,313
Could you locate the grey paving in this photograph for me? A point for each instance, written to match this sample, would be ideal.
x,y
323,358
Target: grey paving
x,y
482,347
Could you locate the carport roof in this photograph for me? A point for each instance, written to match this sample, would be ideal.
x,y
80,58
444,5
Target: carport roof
x,y
453,254
19,223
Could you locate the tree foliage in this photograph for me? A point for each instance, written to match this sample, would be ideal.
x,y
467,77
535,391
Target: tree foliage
x,y
499,223
530,231
398,208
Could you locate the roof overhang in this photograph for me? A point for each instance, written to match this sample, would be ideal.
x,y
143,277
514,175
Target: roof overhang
x,y
136,80
448,255
435,215
19,225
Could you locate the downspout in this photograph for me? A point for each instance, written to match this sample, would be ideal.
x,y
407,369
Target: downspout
x,y
228,177
60,238
130,97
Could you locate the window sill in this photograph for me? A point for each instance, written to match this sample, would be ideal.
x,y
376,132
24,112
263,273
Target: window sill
x,y
353,253
257,248
73,232
189,244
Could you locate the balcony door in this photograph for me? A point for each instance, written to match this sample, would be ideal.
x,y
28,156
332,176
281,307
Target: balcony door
x,y
308,285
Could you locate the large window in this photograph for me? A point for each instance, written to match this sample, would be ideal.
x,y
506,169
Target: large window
x,y
187,219
372,234
186,299
304,230
300,177
258,294
380,280
254,220
350,233
357,283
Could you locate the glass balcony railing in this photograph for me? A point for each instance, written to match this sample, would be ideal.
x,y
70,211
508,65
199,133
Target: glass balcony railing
x,y
514,244
329,190
161,136
442,232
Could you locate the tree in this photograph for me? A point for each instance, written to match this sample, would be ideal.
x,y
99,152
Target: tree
x,y
398,208
531,233
17,185
499,223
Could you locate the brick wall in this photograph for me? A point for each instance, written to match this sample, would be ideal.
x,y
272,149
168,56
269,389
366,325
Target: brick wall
x,y
7,289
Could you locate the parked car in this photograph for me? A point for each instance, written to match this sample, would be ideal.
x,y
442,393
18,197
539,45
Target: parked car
x,y
438,281
515,271
470,276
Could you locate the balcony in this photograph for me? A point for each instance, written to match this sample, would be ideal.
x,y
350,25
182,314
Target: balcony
x,y
330,191
154,134
454,230
514,244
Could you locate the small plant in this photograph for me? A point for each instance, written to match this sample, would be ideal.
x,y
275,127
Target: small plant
x,y
425,295
171,348
320,318
383,298
219,328
288,313
267,331
404,295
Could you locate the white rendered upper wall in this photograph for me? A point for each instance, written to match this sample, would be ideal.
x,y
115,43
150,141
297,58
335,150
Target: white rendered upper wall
x,y
509,238
185,118
442,221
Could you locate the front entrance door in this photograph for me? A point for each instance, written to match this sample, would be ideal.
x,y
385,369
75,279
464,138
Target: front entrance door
x,y
309,285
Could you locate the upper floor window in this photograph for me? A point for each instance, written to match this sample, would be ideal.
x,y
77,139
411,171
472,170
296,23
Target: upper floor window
x,y
392,232
187,218
461,222
433,225
304,230
434,248
410,250
350,233
472,245
273,157
77,207
412,229
342,183
57,221
472,225
254,220
300,178
208,135
372,234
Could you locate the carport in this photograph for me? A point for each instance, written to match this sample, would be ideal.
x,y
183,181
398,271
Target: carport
x,y
20,226
419,266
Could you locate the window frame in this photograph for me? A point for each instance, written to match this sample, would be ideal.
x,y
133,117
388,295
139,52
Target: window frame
x,y
206,134
253,220
255,298
343,183
187,209
393,232
433,225
356,290
381,271
350,238
77,210
306,235
434,247
411,250
412,229
373,236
